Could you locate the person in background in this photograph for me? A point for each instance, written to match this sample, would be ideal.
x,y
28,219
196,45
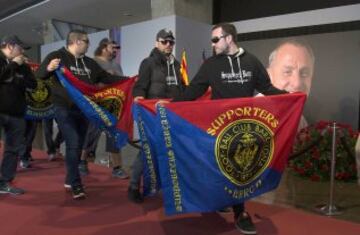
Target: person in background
x,y
71,120
159,77
15,78
104,56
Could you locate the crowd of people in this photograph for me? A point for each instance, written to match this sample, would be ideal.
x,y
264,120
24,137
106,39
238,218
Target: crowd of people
x,y
231,72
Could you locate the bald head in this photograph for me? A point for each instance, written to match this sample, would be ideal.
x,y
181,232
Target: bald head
x,y
291,66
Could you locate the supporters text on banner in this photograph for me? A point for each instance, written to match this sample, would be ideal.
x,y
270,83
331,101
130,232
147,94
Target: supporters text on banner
x,y
145,116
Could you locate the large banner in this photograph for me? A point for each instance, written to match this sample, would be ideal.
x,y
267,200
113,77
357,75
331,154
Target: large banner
x,y
109,107
213,154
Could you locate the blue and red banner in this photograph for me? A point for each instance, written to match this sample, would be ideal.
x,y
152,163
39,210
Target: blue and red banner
x,y
213,154
145,116
108,108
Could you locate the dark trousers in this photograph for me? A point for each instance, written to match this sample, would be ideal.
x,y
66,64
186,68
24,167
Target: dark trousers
x,y
14,128
92,137
73,126
238,209
51,144
30,132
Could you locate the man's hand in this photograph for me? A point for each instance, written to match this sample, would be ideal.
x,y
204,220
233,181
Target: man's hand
x,y
19,59
54,64
137,98
161,102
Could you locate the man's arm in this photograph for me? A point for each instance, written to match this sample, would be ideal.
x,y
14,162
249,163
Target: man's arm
x,y
198,86
143,83
6,68
29,79
48,66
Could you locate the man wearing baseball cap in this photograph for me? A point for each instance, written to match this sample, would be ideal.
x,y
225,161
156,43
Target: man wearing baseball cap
x,y
15,77
159,77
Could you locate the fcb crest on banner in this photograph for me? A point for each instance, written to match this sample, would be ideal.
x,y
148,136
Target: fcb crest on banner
x,y
243,150
38,100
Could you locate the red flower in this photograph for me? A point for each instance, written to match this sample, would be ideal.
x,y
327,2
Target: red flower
x,y
315,177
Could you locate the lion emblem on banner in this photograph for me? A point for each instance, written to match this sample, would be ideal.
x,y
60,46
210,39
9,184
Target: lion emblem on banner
x,y
113,104
243,150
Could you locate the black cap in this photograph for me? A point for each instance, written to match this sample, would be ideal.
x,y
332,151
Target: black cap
x,y
106,41
165,34
13,39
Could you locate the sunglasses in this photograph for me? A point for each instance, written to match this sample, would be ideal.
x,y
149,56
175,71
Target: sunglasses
x,y
164,42
217,39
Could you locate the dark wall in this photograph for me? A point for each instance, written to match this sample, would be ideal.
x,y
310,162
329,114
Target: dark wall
x,y
237,10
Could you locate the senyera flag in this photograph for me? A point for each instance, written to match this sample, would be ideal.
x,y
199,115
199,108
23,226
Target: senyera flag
x,y
220,153
109,107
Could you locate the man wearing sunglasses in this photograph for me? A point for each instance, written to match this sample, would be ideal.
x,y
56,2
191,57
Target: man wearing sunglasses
x,y
15,78
231,73
159,77
71,120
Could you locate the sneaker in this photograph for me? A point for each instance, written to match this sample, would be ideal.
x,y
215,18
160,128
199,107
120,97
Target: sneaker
x,y
6,188
67,187
25,164
51,157
244,224
119,173
105,162
83,168
135,196
58,154
78,192
91,156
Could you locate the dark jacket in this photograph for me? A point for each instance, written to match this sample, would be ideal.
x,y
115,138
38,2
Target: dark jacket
x,y
14,79
230,76
158,77
84,68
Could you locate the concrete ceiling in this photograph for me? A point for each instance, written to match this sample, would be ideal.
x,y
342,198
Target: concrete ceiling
x,y
105,14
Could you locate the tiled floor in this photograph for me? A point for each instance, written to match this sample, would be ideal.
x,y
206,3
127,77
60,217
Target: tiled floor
x,y
305,194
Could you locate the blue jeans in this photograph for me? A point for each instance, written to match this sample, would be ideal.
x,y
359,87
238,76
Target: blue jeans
x,y
73,125
14,128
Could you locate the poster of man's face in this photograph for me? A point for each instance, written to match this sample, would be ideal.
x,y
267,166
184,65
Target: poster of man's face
x,y
291,67
325,66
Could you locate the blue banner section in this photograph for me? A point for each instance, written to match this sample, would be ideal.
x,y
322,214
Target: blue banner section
x,y
191,179
146,122
95,113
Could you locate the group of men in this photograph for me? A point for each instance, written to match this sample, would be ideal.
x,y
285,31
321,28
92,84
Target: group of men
x,y
231,73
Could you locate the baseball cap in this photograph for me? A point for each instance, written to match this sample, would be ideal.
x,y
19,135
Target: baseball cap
x,y
165,34
13,39
106,41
